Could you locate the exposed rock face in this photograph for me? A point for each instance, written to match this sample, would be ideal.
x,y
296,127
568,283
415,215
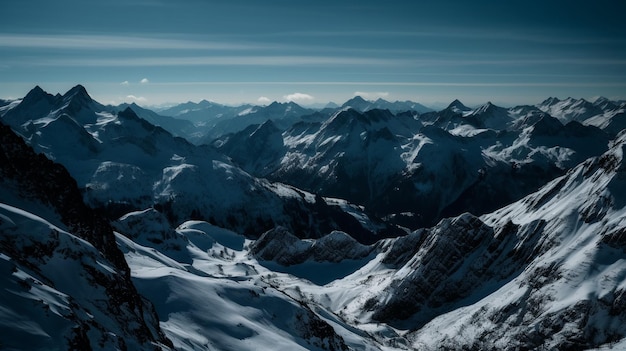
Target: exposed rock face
x,y
449,264
123,163
281,246
72,253
543,272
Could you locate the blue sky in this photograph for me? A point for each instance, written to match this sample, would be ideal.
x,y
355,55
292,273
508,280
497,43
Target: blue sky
x,y
236,51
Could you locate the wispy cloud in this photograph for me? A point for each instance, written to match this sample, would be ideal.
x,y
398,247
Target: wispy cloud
x,y
460,33
264,100
299,97
106,42
136,98
244,60
398,84
125,83
144,81
305,60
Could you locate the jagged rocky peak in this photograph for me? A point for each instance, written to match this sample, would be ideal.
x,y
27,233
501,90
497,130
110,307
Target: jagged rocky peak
x,y
204,103
457,107
267,128
78,96
605,104
550,101
77,91
547,125
357,103
35,94
341,118
486,108
281,246
349,116
378,115
128,113
338,246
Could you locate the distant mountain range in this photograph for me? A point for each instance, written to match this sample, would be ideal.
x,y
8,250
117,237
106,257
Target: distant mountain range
x,y
213,120
354,227
430,165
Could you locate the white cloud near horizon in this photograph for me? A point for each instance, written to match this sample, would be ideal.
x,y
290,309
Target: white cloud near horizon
x,y
144,81
299,97
125,83
264,100
136,98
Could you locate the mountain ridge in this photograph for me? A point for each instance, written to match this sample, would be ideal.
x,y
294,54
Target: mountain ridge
x,y
227,259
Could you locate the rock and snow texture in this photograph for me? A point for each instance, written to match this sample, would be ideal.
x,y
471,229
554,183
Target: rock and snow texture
x,y
64,284
546,271
125,163
432,165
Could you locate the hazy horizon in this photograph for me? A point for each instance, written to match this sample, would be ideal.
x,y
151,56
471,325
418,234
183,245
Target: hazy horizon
x,y
153,51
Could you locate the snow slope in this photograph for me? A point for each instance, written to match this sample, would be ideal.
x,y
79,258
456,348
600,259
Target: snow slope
x,y
64,284
125,163
427,166
547,271
544,272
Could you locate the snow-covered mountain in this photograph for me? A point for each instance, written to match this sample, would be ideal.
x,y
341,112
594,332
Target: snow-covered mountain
x,y
360,104
203,111
546,271
176,126
419,168
282,114
124,163
65,285
602,113
213,120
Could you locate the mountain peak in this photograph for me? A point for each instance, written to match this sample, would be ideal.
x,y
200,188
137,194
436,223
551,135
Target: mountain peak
x,y
77,95
381,101
35,94
358,98
355,100
205,103
550,101
128,113
77,90
457,104
357,103
601,99
485,108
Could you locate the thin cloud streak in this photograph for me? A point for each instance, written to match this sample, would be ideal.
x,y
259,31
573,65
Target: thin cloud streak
x,y
304,60
103,42
417,84
214,61
460,33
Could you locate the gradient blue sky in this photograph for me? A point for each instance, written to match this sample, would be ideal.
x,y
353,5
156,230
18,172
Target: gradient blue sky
x,y
236,51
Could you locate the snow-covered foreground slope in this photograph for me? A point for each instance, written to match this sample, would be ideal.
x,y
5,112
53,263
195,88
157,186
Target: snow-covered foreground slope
x,y
222,300
547,271
64,284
